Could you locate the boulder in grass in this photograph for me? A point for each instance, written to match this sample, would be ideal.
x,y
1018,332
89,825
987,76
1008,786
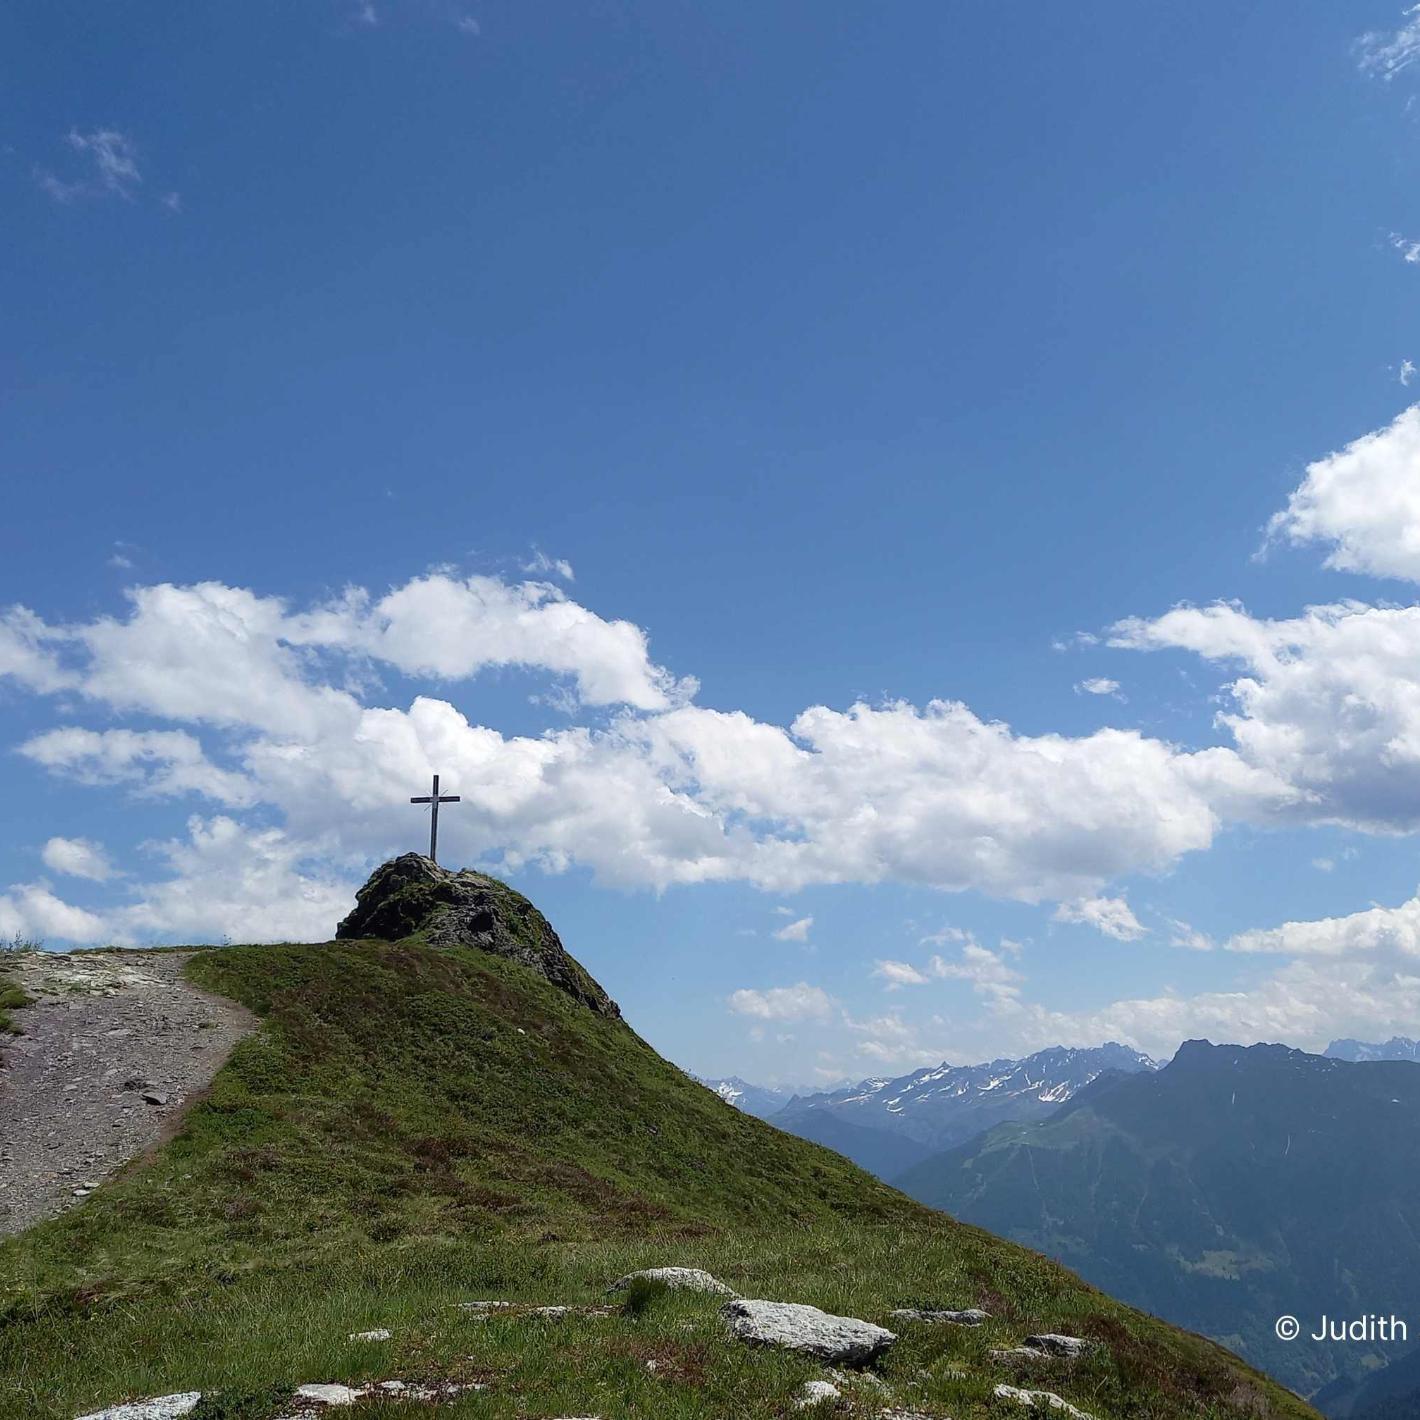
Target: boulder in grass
x,y
1054,1344
1041,1400
328,1394
678,1279
796,1327
160,1407
815,1393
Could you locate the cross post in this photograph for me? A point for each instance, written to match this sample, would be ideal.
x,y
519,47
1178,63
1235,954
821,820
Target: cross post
x,y
434,800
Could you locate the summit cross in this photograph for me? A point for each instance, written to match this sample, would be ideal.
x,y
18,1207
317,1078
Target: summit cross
x,y
434,799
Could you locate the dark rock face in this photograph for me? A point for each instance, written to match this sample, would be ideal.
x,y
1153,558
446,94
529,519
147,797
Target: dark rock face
x,y
413,894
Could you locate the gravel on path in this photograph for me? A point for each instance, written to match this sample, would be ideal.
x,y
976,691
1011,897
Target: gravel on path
x,y
115,1046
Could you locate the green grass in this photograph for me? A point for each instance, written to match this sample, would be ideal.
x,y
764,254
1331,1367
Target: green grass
x,y
12,997
412,1128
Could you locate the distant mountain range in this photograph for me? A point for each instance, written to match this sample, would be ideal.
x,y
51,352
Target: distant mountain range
x,y
886,1125
1398,1047
1228,1188
759,1100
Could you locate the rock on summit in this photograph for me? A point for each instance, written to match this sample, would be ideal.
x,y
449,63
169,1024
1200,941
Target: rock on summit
x,y
412,895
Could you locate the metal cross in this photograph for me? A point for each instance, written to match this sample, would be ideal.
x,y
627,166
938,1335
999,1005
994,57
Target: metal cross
x,y
434,800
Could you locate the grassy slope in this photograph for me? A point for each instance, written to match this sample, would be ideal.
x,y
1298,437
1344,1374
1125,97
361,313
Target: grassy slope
x,y
413,1127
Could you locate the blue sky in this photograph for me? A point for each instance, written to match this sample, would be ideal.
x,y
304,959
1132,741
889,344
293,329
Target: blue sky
x,y
598,403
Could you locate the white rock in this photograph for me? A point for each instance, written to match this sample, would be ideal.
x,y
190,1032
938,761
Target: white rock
x,y
802,1328
972,1316
160,1407
815,1393
1054,1344
678,1279
1041,1400
484,1306
328,1394
378,1334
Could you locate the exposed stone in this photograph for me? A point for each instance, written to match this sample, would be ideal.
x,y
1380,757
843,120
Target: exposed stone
x,y
678,1279
972,1316
378,1334
160,1407
328,1394
803,1328
1054,1344
155,1097
816,1393
412,894
1045,1400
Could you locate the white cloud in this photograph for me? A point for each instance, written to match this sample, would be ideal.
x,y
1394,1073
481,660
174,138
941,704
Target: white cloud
x,y
1384,930
1330,706
32,911
157,762
1364,501
113,167
985,970
540,564
1304,1004
77,858
890,1041
800,1002
899,973
248,884
466,24
663,792
797,931
29,652
1406,372
1110,915
1097,685
1409,249
1183,935
1386,53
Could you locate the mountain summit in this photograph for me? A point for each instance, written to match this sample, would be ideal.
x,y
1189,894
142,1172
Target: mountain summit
x,y
412,896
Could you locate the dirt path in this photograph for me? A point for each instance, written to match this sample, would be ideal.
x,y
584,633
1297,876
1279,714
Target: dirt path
x,y
114,1046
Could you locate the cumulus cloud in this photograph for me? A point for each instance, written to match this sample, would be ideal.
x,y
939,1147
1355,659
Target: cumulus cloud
x,y
162,763
1097,685
1376,930
1363,502
223,880
1329,705
800,1002
77,858
32,911
1110,915
662,792
796,931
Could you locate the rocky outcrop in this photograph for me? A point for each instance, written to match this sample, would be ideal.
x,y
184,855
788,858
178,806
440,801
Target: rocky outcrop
x,y
677,1279
1045,1400
842,1339
1054,1344
413,895
972,1316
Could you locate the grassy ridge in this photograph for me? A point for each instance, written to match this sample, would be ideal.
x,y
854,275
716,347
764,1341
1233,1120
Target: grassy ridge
x,y
412,1128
